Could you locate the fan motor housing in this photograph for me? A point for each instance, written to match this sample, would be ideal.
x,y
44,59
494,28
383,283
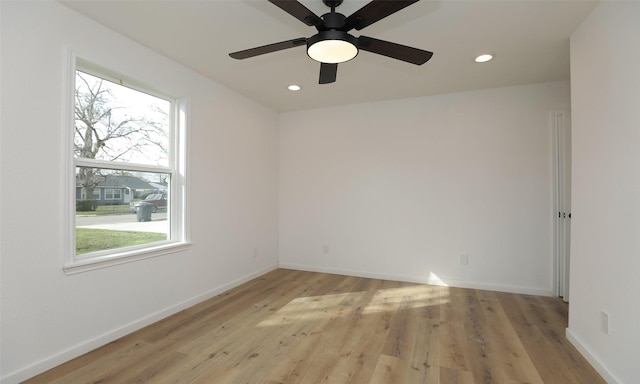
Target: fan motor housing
x,y
333,20
332,3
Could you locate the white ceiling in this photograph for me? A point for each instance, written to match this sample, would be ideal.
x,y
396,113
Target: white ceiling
x,y
529,39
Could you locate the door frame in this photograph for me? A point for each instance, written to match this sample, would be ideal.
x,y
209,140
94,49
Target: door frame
x,y
561,146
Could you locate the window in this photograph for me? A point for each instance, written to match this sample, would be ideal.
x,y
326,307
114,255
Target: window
x,y
124,137
83,194
112,194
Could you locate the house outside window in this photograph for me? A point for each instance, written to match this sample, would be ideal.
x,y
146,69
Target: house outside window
x,y
126,140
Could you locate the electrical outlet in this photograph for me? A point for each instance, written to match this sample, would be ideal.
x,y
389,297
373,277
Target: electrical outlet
x,y
604,322
464,259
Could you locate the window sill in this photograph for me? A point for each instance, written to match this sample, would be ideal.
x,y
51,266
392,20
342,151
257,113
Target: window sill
x,y
99,262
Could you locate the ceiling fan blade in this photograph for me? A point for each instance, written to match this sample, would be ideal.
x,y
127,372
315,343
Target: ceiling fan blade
x,y
268,48
299,11
374,11
393,50
328,73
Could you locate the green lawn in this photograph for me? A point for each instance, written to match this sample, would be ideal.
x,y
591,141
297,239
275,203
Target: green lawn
x,y
90,240
107,210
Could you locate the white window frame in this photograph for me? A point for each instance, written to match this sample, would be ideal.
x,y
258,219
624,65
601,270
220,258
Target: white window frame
x,y
179,229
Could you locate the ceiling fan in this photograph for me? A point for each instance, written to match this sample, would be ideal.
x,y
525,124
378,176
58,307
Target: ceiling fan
x,y
333,44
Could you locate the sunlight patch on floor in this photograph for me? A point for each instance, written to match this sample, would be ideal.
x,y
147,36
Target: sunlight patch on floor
x,y
417,296
310,308
313,308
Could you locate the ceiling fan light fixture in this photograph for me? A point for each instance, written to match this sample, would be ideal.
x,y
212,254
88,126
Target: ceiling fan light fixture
x,y
332,47
332,44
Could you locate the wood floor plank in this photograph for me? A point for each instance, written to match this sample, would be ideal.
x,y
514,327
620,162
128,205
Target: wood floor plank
x,y
318,313
453,347
104,365
300,358
486,369
423,360
510,354
303,327
425,357
540,323
389,370
343,356
455,376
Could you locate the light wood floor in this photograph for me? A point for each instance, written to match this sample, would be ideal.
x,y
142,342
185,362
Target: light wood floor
x,y
302,327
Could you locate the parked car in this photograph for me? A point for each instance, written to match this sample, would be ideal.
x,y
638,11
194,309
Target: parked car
x,y
157,200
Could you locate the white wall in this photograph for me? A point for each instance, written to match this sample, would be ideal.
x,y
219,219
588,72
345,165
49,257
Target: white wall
x,y
47,316
401,189
605,253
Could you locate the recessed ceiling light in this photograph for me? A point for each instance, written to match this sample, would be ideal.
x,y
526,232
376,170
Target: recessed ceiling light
x,y
294,87
483,58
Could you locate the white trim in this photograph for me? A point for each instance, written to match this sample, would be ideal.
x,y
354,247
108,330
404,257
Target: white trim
x,y
68,200
591,358
98,341
109,258
557,290
94,163
558,123
432,280
180,198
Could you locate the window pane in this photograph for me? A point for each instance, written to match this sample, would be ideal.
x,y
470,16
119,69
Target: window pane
x,y
117,123
133,210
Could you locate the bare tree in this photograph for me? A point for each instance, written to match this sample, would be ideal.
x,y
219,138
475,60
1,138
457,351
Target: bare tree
x,y
106,130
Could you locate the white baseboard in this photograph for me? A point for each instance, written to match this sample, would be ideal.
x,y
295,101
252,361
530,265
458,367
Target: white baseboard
x,y
591,358
96,342
432,280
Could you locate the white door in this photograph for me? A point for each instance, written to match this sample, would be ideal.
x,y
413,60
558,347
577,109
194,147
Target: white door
x,y
561,133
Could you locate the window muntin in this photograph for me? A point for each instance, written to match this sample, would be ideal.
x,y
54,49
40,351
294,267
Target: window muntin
x,y
123,133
